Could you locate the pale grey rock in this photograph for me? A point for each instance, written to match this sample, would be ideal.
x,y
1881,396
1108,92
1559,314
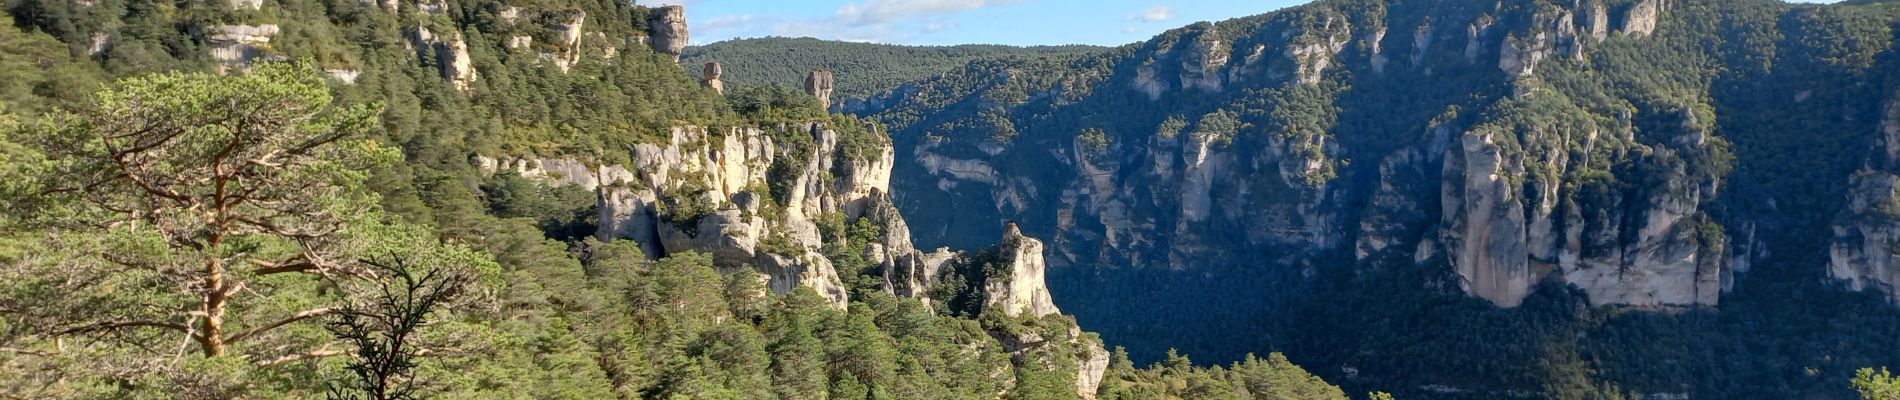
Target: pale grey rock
x,y
432,6
1313,51
100,42
959,169
569,32
666,30
451,52
819,84
1520,57
1482,221
1149,82
247,4
1421,44
238,45
1202,62
1597,19
1023,291
1642,18
1375,43
347,76
1089,372
1863,255
1474,44
710,76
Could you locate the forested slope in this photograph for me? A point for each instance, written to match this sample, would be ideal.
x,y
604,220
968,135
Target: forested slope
x,y
861,69
1540,198
301,199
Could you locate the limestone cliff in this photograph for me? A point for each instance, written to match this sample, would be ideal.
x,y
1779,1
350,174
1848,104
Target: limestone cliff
x,y
451,55
1022,291
1505,192
752,198
1864,255
230,45
707,191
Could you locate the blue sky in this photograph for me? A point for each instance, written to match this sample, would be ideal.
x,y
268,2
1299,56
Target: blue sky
x,y
943,22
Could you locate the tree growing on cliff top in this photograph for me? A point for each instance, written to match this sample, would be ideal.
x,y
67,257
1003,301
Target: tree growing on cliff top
x,y
197,217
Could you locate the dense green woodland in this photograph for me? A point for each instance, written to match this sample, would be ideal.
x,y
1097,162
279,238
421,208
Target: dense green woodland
x,y
1790,98
862,69
278,233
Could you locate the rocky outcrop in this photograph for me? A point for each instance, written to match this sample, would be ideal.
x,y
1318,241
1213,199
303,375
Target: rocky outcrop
x,y
1066,346
752,198
1864,255
568,31
1202,61
1596,18
247,4
432,6
98,43
666,30
451,56
1641,18
1483,226
347,76
1089,372
1538,186
1147,82
237,45
1313,51
819,84
710,76
701,191
1508,222
1022,291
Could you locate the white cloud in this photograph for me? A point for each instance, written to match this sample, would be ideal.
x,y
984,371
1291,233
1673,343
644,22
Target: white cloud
x,y
881,21
883,12
725,22
1153,14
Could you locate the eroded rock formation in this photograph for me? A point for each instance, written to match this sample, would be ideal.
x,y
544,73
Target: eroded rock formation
x,y
1641,18
710,77
451,56
819,84
1023,291
1492,196
234,45
666,30
1864,254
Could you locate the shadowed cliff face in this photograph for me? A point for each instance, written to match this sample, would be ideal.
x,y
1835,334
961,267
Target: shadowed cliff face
x,y
1675,157
1215,143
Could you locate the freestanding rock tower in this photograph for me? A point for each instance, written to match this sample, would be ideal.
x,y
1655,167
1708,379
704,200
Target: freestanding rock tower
x,y
666,30
818,84
710,77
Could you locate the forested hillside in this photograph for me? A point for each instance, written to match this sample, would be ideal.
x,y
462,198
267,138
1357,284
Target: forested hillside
x,y
484,199
1535,199
861,69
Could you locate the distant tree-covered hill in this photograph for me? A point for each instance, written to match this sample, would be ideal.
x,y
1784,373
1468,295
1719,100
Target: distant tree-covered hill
x,y
862,69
